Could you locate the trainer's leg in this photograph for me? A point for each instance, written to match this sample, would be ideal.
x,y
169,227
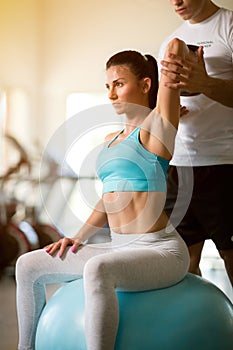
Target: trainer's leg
x,y
195,251
33,271
227,256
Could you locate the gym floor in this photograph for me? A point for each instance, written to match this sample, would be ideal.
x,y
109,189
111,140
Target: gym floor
x,y
212,269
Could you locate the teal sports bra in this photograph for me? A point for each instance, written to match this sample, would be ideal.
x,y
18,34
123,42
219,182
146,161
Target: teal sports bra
x,y
128,166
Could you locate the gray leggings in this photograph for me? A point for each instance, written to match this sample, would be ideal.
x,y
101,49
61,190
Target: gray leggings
x,y
131,262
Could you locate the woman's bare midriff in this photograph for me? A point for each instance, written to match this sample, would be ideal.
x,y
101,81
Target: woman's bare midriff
x,y
135,212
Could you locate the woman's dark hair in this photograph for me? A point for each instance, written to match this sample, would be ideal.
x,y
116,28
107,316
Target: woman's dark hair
x,y
141,66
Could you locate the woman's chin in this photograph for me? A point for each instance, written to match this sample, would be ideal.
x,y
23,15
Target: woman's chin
x,y
119,108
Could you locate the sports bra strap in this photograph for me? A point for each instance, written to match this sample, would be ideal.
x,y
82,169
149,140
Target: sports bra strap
x,y
115,137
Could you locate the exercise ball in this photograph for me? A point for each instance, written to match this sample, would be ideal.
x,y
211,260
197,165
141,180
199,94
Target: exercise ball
x,y
193,314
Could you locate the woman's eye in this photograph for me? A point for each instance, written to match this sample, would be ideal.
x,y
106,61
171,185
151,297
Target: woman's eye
x,y
119,84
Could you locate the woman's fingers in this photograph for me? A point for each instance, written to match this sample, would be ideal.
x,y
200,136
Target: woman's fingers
x,y
59,246
75,246
49,247
64,243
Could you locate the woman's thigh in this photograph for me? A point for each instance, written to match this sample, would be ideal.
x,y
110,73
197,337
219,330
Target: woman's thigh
x,y
137,269
40,266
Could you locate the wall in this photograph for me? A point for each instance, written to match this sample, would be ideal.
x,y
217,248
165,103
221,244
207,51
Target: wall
x,y
50,48
80,36
19,61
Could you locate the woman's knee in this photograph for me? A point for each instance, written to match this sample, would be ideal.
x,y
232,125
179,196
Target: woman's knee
x,y
21,263
96,274
27,264
95,268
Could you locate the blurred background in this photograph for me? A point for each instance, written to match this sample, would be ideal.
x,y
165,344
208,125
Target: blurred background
x,y
52,67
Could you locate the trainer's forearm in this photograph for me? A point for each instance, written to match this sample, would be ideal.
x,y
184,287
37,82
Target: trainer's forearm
x,y
219,90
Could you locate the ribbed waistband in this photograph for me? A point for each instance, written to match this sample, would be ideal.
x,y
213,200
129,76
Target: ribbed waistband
x,y
142,237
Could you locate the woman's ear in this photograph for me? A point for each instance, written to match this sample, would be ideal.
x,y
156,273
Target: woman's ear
x,y
146,85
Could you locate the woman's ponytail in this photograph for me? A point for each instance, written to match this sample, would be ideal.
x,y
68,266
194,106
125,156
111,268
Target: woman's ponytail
x,y
153,69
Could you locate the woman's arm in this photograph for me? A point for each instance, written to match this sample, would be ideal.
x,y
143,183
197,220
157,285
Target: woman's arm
x,y
191,76
168,104
159,129
96,220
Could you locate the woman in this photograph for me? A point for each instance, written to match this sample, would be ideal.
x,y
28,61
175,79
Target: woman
x,y
146,252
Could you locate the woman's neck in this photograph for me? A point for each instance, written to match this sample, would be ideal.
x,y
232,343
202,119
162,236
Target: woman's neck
x,y
135,118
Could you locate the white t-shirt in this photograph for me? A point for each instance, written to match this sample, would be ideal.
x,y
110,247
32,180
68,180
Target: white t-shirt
x,y
205,134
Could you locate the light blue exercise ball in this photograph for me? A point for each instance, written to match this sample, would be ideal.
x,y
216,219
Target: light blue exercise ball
x,y
193,314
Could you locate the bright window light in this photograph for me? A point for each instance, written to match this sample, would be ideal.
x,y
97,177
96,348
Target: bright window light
x,y
79,101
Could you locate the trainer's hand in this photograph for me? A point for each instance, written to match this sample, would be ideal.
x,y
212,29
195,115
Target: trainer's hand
x,y
187,75
183,111
61,246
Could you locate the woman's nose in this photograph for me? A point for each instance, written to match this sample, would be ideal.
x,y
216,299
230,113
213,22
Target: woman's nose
x,y
112,94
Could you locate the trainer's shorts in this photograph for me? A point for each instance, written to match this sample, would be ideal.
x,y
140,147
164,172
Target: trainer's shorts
x,y
200,203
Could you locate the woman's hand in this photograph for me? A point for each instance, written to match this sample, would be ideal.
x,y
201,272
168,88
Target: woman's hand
x,y
61,246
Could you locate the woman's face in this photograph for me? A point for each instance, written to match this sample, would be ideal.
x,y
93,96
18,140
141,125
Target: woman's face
x,y
124,88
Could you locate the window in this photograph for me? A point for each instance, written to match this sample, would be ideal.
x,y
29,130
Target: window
x,y
89,118
93,118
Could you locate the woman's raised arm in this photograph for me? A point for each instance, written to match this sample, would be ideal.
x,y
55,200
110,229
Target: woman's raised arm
x,y
159,129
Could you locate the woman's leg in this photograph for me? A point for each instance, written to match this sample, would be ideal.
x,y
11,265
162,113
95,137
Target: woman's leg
x,y
33,271
131,269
